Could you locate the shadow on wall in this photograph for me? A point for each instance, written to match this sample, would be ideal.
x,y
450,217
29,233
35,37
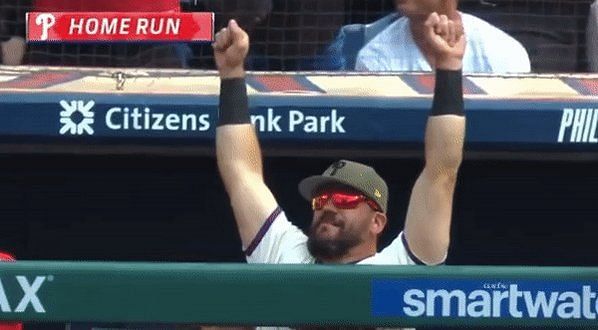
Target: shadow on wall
x,y
175,209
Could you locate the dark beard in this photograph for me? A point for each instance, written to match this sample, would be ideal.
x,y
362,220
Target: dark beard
x,y
323,249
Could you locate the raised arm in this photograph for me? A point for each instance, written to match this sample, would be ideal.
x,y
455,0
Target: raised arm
x,y
237,148
428,222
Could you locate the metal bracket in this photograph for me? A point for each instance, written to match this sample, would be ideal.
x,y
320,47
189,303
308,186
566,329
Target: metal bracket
x,y
121,78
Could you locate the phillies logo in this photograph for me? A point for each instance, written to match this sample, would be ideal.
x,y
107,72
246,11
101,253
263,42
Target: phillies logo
x,y
46,21
337,166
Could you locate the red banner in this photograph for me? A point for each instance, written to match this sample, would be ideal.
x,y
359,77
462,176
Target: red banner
x,y
119,26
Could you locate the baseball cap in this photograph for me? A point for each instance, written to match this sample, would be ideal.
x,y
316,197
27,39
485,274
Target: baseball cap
x,y
352,174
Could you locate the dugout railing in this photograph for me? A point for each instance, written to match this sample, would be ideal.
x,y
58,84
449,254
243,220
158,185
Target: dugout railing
x,y
292,295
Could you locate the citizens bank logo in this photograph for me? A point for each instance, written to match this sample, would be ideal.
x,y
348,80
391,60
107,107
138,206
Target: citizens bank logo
x,y
46,21
76,117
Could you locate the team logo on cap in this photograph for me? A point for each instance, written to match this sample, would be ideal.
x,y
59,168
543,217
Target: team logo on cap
x,y
337,166
377,193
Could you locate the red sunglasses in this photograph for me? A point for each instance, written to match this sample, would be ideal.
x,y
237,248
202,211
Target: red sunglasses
x,y
340,200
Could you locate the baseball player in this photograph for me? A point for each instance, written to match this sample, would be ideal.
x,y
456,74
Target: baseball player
x,y
349,199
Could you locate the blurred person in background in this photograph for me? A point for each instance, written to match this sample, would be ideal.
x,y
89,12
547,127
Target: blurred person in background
x,y
402,46
13,50
592,38
109,55
12,32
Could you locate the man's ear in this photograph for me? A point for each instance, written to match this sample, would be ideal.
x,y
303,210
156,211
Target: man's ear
x,y
379,223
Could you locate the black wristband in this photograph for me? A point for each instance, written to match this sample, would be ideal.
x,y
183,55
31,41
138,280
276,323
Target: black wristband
x,y
234,104
448,93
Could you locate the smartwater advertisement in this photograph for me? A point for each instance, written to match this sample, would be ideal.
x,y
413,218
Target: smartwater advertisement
x,y
487,299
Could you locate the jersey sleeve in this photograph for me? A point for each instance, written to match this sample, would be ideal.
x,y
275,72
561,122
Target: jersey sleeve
x,y
278,242
398,253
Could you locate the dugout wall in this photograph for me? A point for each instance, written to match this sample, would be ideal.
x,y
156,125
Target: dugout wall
x,y
83,179
67,207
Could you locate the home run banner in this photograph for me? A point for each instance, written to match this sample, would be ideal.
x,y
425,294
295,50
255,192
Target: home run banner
x,y
125,27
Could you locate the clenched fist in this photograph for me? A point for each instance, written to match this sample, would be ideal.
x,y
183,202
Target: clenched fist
x,y
446,39
231,46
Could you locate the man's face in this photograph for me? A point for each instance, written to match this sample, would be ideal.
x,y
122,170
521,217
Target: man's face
x,y
413,8
334,231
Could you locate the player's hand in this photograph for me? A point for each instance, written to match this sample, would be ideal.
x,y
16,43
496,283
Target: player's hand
x,y
446,39
231,46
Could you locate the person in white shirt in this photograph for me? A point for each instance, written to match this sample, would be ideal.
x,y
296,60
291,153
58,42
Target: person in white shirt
x,y
12,33
349,199
402,46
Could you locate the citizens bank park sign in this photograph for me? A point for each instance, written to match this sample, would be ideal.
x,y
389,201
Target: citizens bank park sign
x,y
292,111
122,27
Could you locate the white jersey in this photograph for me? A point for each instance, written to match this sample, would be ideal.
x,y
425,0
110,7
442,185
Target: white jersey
x,y
488,50
281,242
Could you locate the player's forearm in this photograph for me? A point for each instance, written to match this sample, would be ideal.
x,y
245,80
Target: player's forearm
x,y
444,144
238,154
237,148
445,131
